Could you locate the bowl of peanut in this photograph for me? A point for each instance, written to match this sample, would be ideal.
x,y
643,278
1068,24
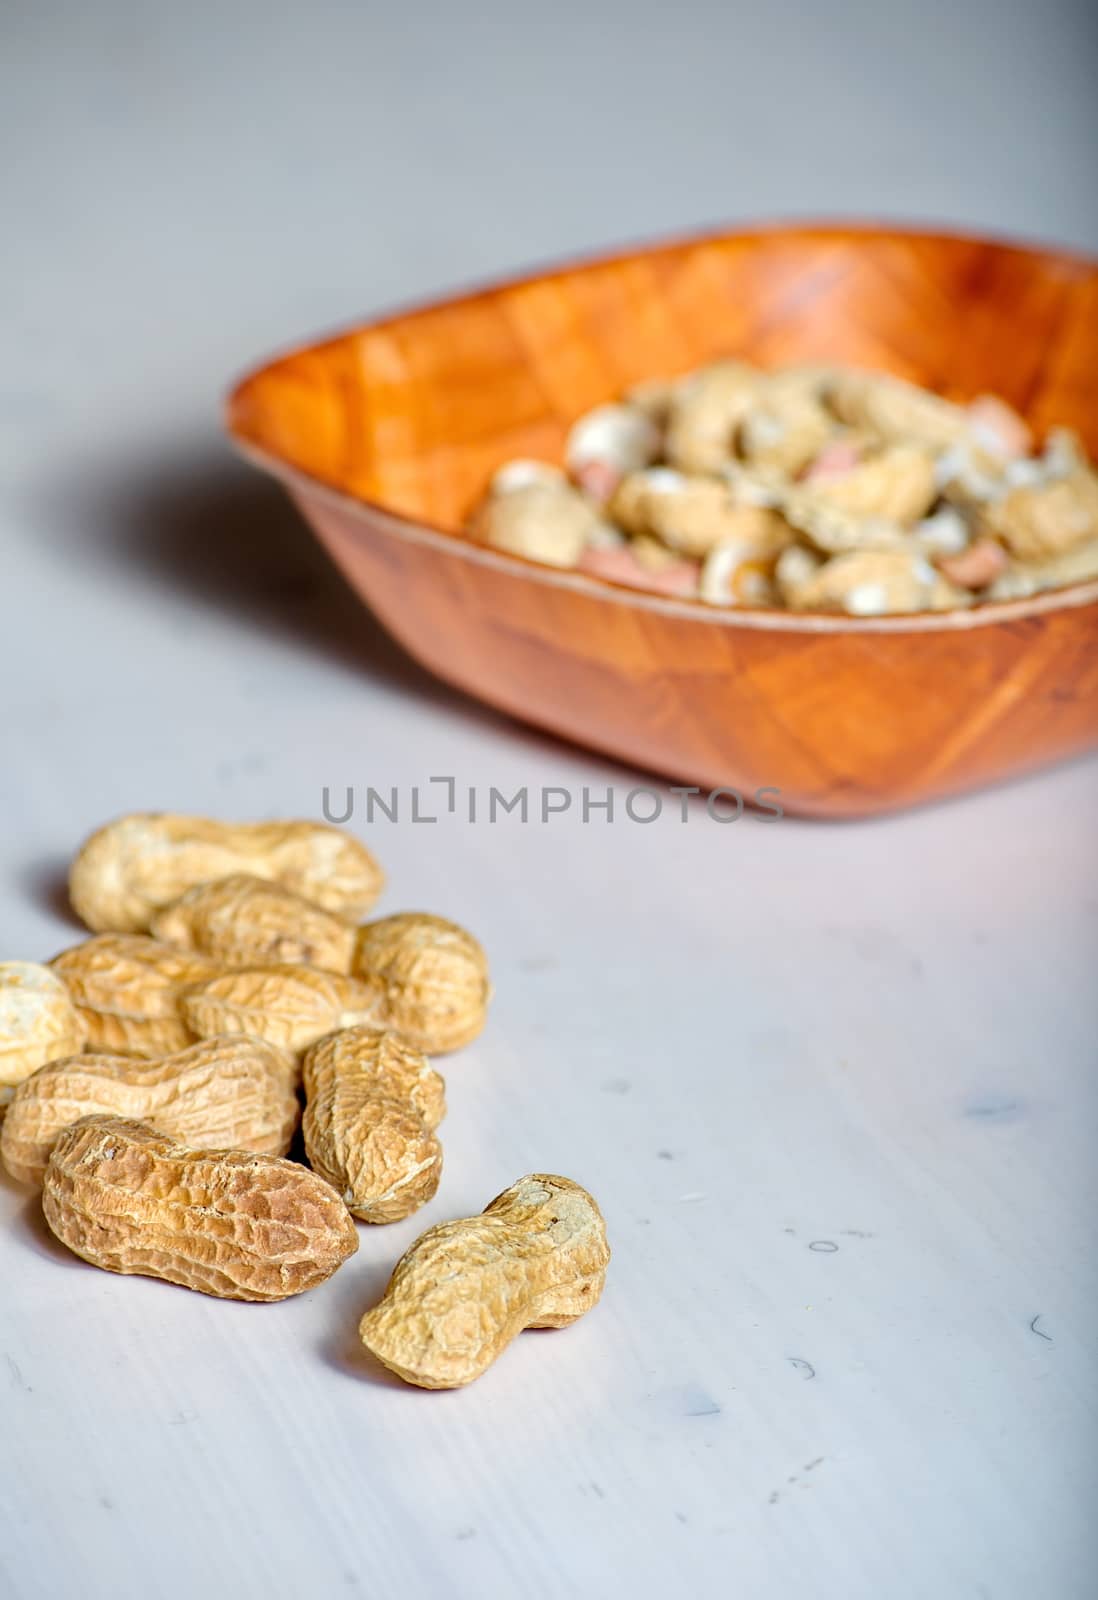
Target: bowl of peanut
x,y
804,508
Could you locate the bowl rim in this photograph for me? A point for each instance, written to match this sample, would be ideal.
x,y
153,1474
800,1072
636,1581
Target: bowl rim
x,y
454,543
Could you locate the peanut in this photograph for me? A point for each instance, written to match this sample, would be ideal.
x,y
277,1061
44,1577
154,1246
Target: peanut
x,y
898,485
608,442
127,989
222,1093
434,977
734,574
521,472
372,1103
790,425
694,515
895,410
247,921
869,583
1073,566
725,486
543,520
835,530
944,533
998,427
1046,519
835,460
976,567
137,864
38,1021
535,1258
655,397
630,565
794,569
291,1007
229,1223
706,410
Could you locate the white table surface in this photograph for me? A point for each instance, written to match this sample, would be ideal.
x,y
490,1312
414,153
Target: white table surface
x,y
746,1040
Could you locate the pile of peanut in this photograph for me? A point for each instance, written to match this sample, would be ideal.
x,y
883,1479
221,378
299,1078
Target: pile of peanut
x,y
813,488
151,1080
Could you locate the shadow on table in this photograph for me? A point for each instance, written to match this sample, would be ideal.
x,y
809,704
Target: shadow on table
x,y
201,524
30,1227
46,881
196,522
204,525
342,1349
215,530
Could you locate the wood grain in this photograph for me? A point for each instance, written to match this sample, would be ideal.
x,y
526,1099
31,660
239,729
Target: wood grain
x,y
386,434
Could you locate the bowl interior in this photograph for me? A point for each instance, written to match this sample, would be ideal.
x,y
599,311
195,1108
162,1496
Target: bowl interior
x,y
414,412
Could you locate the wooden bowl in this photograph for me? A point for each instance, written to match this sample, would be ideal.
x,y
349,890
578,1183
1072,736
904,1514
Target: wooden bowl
x,y
385,437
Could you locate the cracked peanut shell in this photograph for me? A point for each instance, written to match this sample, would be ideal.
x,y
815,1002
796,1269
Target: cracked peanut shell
x,y
131,868
246,921
229,1093
229,1223
372,1104
536,1257
38,1022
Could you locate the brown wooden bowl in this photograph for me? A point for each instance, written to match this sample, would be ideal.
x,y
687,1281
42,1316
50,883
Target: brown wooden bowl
x,y
386,435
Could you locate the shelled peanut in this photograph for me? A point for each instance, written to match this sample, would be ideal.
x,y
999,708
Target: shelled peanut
x,y
700,486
